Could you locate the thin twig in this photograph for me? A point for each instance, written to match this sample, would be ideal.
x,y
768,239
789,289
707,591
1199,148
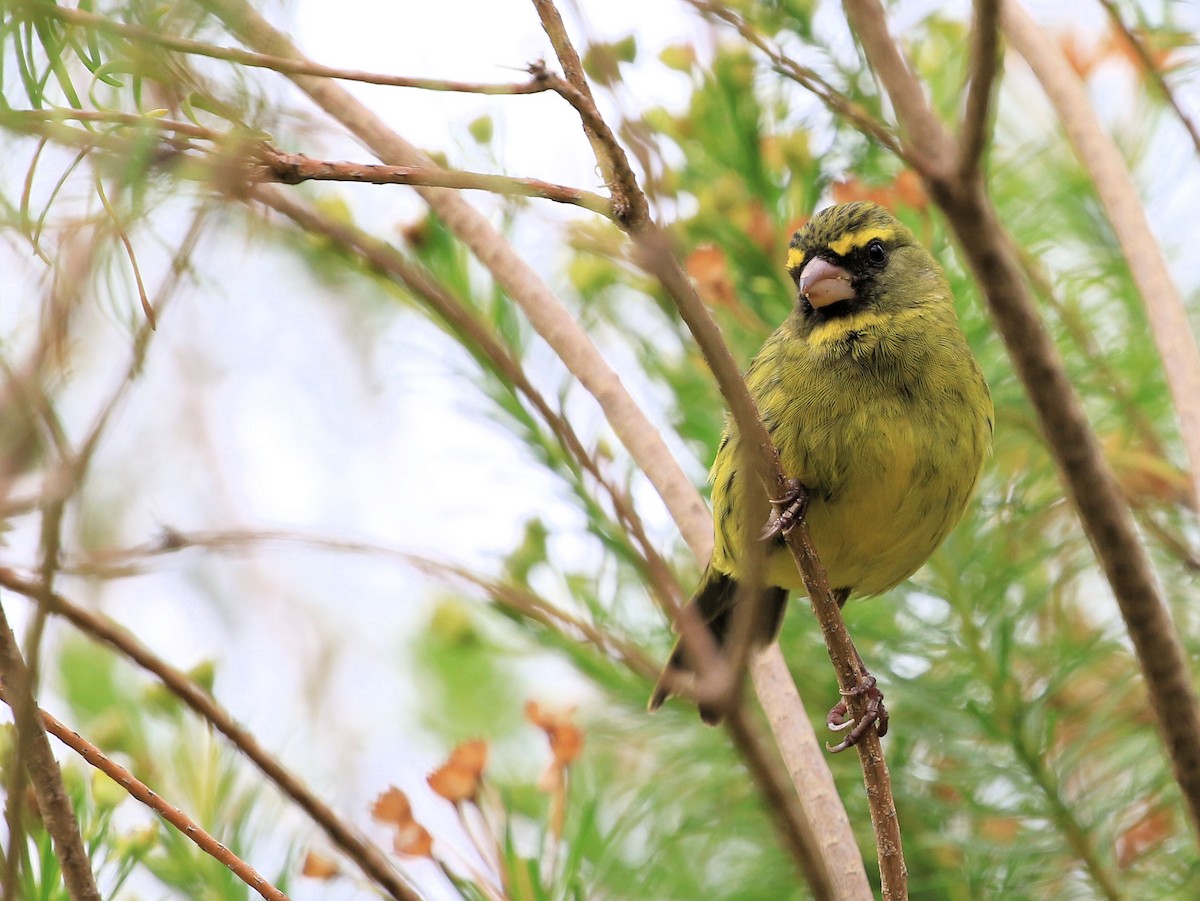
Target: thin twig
x,y
985,66
365,854
15,118
44,774
548,316
452,311
838,103
294,168
286,65
129,561
1100,158
1150,68
173,815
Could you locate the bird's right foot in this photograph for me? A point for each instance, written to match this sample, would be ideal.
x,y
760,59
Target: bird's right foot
x,y
788,510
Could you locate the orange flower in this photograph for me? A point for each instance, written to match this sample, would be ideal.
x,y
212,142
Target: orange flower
x,y
318,866
458,779
392,807
413,840
709,271
566,739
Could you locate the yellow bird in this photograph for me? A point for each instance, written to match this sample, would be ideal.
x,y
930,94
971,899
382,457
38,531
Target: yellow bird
x,y
877,407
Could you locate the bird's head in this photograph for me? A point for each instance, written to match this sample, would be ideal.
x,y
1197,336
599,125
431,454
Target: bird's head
x,y
857,258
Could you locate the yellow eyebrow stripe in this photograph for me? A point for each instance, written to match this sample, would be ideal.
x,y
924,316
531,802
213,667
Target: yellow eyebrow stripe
x,y
795,257
860,238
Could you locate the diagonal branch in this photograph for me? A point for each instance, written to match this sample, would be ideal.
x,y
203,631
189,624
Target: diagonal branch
x,y
985,66
365,854
44,774
1086,474
295,168
140,35
1100,158
929,145
142,792
1151,68
545,312
451,311
656,257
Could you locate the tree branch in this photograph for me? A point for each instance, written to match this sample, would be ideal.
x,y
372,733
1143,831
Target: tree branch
x,y
366,855
294,168
44,774
451,311
655,256
546,314
173,815
985,65
286,65
1151,68
1090,482
928,142
1100,158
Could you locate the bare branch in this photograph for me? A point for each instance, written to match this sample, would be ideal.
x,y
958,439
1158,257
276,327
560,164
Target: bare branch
x,y
1089,479
17,118
1100,158
629,202
1151,68
546,313
985,66
655,256
173,815
928,142
365,854
837,102
44,774
294,168
286,65
454,313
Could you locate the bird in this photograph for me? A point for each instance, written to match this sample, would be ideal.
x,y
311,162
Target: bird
x,y
881,417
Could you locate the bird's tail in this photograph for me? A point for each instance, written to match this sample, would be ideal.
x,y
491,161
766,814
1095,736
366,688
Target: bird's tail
x,y
714,602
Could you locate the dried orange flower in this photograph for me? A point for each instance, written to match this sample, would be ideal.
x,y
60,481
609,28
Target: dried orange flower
x,y
413,840
458,779
318,866
392,807
566,739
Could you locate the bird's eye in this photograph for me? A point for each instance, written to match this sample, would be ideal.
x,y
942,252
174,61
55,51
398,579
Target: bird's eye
x,y
876,254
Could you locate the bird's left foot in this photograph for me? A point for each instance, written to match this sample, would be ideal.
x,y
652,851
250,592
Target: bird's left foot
x,y
874,715
789,510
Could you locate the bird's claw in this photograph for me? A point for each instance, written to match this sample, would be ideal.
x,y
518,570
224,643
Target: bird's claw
x,y
874,715
788,510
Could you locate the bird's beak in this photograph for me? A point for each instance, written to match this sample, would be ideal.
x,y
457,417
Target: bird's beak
x,y
823,283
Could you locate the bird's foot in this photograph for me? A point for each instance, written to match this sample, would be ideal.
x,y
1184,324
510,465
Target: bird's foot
x,y
788,510
874,715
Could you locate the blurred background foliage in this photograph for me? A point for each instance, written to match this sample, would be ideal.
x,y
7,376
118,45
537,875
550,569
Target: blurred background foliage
x,y
1023,754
